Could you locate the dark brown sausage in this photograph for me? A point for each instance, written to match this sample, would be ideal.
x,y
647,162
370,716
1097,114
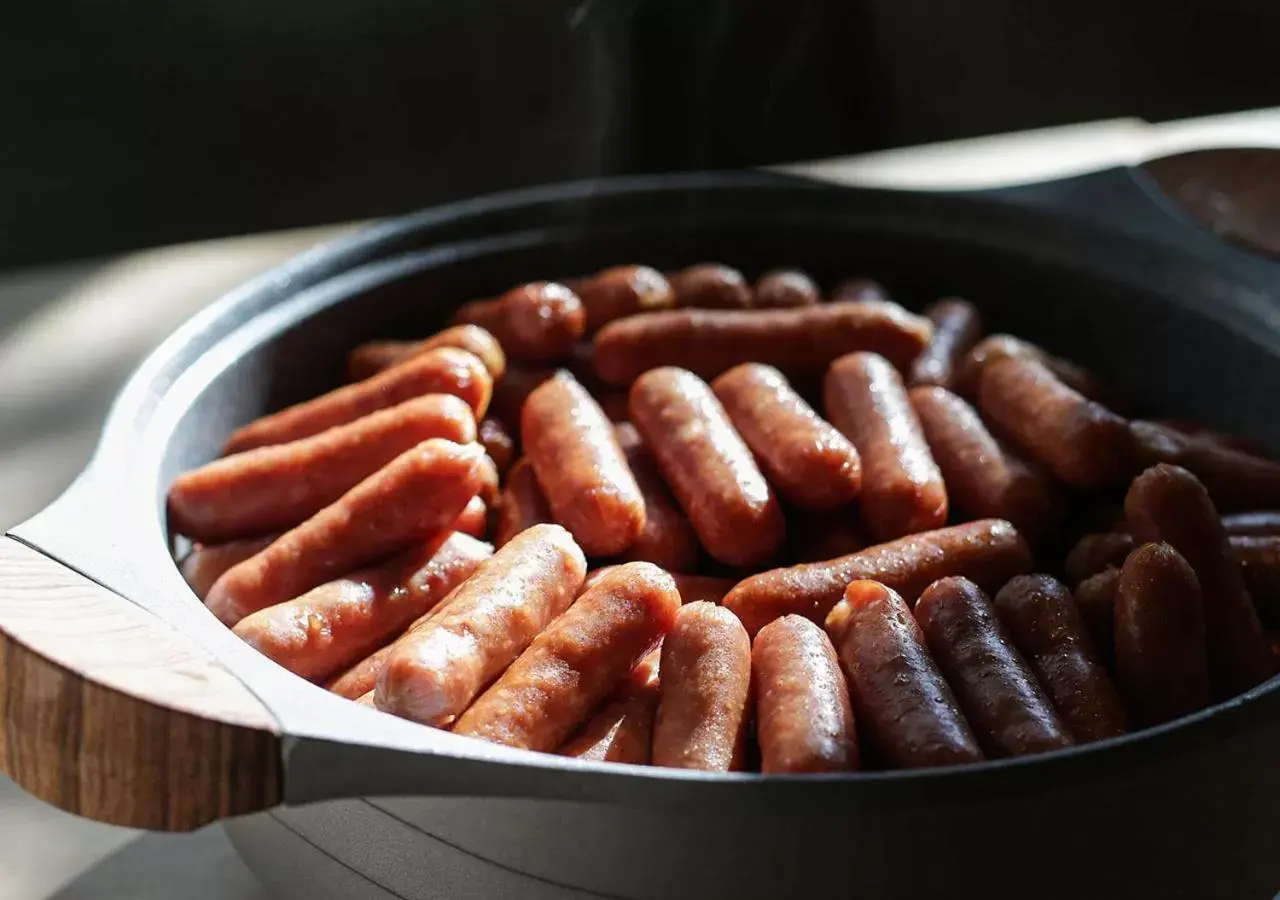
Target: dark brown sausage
x,y
369,359
902,704
1004,346
804,722
1096,598
1168,504
710,286
707,466
623,291
1259,559
1161,665
498,443
1093,553
1007,709
668,539
957,326
1235,480
1047,628
902,489
538,321
785,289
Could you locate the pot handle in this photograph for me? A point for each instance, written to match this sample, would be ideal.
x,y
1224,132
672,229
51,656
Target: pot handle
x,y
111,714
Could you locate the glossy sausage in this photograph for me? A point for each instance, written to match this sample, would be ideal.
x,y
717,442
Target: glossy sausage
x,y
988,552
957,326
808,461
707,466
204,564
1047,628
623,291
574,664
710,286
369,359
581,469
1235,481
1004,346
706,691
692,588
903,706
1168,504
415,497
498,443
668,539
785,289
445,370
800,343
1007,710
521,504
439,668
622,730
902,488
474,519
804,721
538,321
1096,599
274,488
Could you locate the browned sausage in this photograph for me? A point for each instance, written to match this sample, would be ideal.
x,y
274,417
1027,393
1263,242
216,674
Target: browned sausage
x,y
510,393
415,497
710,286
800,343
1259,559
274,488
1046,626
498,443
1235,480
1081,441
1264,522
521,504
1161,665
580,467
445,370
692,588
439,667
1168,504
1004,346
361,678
1096,599
623,291
988,552
576,662
1007,709
339,623
1093,553
538,321
810,463
668,539
983,478
804,722
956,328
903,705
204,565
706,691
859,290
902,489
707,466
785,289
369,359
622,730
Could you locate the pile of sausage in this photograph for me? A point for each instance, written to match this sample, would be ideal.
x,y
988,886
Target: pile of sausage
x,y
685,520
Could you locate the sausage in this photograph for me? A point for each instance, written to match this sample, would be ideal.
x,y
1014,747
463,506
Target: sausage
x,y
1094,553
1005,346
804,721
806,459
1082,442
692,588
903,706
362,678
521,504
622,291
274,488
581,469
706,691
510,393
1161,666
957,325
668,539
538,321
622,730
815,537
576,662
1168,504
707,466
369,359
710,286
1265,522
1096,598
983,478
1234,480
332,626
785,289
415,497
860,290
474,519
902,488
1007,710
988,552
1047,628
498,443
445,370
1259,559
1201,432
800,343
439,667
204,564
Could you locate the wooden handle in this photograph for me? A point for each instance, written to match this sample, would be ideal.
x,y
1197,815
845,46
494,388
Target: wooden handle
x,y
109,713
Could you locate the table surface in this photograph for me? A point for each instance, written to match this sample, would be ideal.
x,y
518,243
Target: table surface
x,y
70,335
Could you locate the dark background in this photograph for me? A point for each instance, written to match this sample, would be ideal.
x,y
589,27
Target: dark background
x,y
129,123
